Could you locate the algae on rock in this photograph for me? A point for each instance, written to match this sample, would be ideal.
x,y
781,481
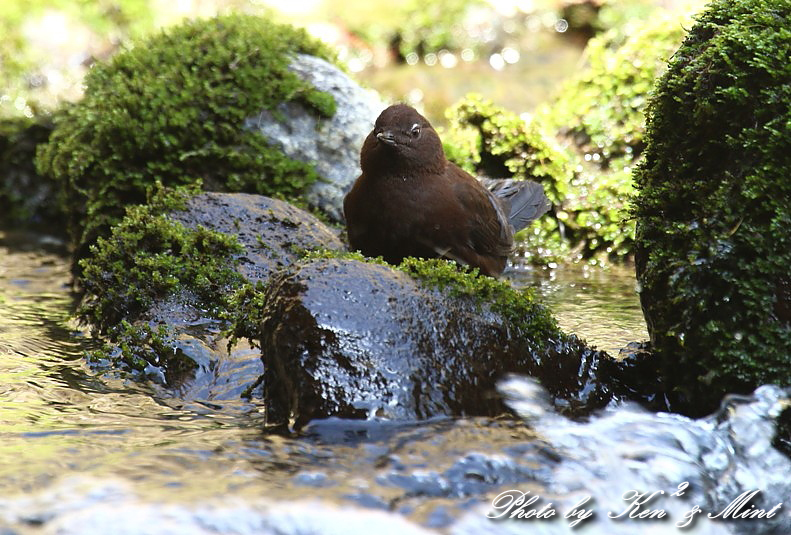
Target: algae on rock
x,y
349,337
713,216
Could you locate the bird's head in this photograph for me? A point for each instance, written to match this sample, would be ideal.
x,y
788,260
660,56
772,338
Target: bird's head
x,y
402,140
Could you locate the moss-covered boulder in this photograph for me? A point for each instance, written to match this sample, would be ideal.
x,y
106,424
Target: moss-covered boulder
x,y
175,109
351,338
158,287
714,206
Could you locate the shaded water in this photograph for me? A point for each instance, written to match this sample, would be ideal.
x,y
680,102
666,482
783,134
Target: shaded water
x,y
86,454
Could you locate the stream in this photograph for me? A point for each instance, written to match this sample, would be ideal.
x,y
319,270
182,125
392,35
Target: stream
x,y
83,453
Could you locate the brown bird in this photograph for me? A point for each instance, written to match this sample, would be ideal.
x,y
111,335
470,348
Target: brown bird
x,y
411,201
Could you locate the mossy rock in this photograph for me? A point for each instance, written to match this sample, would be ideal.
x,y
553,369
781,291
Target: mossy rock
x,y
175,262
27,199
349,337
172,109
713,206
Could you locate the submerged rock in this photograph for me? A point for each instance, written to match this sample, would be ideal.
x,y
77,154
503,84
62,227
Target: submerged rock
x,y
346,338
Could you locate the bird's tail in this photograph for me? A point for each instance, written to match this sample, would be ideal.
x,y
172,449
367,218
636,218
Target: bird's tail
x,y
523,201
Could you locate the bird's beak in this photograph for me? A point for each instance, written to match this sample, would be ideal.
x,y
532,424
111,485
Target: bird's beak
x,y
386,137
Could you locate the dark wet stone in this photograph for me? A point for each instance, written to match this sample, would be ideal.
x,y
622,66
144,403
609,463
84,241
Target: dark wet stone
x,y
273,232
636,376
351,339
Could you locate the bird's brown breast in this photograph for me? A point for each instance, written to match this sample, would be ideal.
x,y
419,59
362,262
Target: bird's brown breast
x,y
427,215
410,201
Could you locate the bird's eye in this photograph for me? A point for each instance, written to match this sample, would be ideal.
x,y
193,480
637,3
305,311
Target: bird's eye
x,y
415,131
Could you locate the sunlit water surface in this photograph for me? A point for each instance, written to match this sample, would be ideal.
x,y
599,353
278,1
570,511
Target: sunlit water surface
x,y
74,443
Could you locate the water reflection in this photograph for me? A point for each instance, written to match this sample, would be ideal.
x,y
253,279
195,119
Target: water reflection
x,y
80,453
598,305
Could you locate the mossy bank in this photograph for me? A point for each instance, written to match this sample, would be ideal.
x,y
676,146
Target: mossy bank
x,y
714,245
172,109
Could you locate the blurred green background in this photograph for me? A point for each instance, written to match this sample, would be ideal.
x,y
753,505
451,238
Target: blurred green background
x,y
513,52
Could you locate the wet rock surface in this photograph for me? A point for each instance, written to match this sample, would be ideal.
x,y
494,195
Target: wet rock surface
x,y
331,145
350,339
273,234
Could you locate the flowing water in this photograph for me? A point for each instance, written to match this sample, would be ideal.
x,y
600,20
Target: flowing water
x,y
87,454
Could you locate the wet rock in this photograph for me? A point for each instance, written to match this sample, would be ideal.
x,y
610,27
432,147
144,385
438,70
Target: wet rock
x,y
345,338
636,376
331,145
272,232
172,333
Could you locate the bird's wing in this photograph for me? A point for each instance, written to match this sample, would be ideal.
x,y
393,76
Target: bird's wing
x,y
523,200
490,234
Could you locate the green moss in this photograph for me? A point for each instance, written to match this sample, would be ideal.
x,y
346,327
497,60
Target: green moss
x,y
518,306
149,256
173,109
713,206
141,350
598,118
488,140
599,115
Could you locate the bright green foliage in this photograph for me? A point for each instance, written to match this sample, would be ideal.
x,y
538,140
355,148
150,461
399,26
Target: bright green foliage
x,y
432,26
600,115
488,140
519,306
18,60
173,109
714,206
149,256
410,26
